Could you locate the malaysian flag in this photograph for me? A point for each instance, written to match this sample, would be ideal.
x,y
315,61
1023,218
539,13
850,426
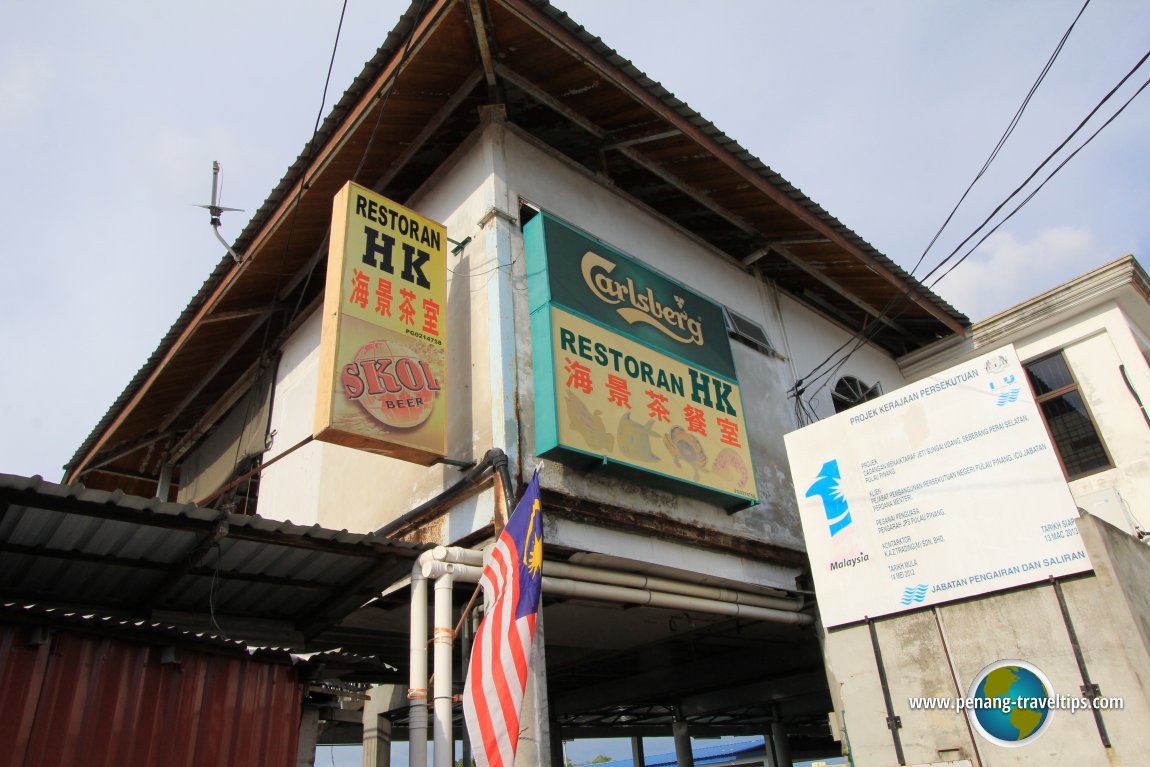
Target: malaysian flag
x,y
497,675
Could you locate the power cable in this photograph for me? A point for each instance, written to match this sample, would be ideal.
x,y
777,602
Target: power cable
x,y
390,86
1030,196
1006,135
993,155
864,333
1049,157
265,338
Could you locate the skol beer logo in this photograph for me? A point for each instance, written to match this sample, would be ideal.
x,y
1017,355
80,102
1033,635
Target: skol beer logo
x,y
391,383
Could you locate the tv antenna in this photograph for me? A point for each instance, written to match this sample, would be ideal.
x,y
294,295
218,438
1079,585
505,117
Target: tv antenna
x,y
216,210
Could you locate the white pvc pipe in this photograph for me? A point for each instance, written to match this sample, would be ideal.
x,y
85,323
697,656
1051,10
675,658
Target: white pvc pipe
x,y
633,580
446,565
611,593
444,634
640,581
417,674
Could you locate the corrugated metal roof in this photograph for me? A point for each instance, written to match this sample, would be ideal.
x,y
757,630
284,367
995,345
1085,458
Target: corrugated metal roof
x,y
238,576
722,752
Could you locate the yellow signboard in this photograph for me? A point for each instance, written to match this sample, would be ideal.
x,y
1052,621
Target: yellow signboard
x,y
631,404
383,363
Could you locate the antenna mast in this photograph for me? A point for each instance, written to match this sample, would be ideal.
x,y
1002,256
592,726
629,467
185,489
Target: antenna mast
x,y
216,210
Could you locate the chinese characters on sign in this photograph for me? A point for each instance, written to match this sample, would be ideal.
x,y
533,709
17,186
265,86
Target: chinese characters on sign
x,y
382,358
631,403
633,370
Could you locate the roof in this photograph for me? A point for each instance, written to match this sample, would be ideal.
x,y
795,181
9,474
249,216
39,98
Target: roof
x,y
319,666
723,752
1122,282
135,559
570,93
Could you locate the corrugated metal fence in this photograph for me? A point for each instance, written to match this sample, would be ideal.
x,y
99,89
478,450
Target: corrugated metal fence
x,y
71,698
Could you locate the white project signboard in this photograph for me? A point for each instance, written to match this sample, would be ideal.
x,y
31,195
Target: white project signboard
x,y
947,488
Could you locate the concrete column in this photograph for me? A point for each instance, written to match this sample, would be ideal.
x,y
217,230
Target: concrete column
x,y
308,735
376,727
780,745
534,719
683,754
638,758
500,228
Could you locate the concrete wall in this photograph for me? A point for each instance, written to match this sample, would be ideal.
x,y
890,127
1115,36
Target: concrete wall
x,y
802,338
1095,346
940,652
490,373
343,488
1096,340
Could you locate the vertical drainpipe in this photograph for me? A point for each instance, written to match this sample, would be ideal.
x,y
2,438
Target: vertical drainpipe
x,y
497,226
444,750
417,674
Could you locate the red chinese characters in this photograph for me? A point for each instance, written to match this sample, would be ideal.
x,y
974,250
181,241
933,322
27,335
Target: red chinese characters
x,y
578,375
728,431
430,317
406,307
360,285
383,297
657,407
618,394
696,419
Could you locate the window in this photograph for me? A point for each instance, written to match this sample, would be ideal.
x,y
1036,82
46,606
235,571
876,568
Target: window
x,y
1067,418
851,391
748,331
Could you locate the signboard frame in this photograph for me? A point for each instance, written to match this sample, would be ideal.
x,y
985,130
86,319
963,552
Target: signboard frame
x,y
945,489
383,348
700,457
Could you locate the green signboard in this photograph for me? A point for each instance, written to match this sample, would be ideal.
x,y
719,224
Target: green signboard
x,y
626,380
568,268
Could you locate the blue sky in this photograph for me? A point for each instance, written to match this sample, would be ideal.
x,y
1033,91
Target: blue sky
x,y
882,111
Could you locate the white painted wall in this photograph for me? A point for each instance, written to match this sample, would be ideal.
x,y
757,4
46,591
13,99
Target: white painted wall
x,y
1096,339
1095,346
490,370
802,337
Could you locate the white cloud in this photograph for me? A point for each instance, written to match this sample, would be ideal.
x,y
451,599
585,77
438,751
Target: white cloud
x,y
25,80
1004,271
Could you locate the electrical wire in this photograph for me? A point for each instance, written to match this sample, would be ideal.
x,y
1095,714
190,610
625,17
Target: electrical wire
x,y
390,86
802,386
1048,159
279,272
1054,172
993,155
1006,135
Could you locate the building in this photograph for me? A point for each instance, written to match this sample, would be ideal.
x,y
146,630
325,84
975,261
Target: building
x,y
534,144
117,640
1083,347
